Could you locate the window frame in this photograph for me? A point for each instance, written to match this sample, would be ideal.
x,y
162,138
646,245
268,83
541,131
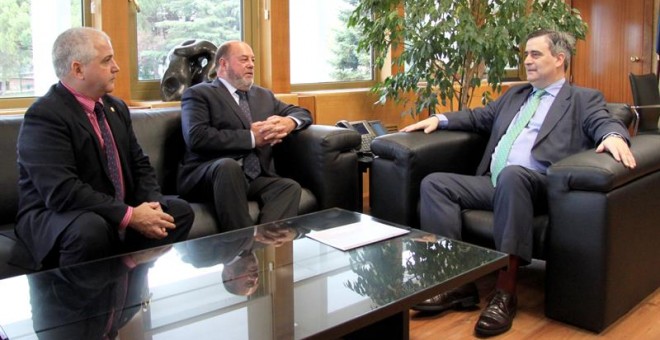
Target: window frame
x,y
149,90
338,85
19,104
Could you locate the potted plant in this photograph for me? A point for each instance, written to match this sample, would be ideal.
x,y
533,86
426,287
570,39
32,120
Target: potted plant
x,y
447,47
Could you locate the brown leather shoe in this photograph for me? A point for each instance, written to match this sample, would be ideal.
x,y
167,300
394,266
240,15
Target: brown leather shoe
x,y
497,317
463,297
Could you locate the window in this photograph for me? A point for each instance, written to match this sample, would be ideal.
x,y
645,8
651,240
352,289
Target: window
x,y
323,49
27,32
163,25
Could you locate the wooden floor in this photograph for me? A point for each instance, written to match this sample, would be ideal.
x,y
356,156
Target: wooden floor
x,y
643,322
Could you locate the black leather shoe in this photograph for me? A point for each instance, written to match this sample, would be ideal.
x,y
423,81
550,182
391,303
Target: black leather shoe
x,y
463,297
497,317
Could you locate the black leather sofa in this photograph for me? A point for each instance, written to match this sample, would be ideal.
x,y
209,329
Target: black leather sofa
x,y
599,240
320,158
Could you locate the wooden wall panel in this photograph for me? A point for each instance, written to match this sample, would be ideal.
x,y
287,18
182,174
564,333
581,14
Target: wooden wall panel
x,y
329,107
478,93
116,26
618,31
273,34
309,103
289,98
354,105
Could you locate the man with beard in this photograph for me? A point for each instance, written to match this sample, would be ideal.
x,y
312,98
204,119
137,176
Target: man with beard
x,y
230,127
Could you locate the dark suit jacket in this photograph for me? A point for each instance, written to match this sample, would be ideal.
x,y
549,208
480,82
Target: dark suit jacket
x,y
63,173
214,126
576,121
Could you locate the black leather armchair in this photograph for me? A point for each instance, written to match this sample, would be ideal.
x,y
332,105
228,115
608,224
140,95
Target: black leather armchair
x,y
598,238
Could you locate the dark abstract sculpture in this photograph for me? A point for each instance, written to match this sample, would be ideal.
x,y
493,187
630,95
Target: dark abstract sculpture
x,y
190,63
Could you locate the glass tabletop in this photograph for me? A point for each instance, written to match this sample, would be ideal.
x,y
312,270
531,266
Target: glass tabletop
x,y
264,282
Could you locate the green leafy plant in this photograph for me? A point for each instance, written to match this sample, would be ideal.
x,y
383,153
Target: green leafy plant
x,y
449,46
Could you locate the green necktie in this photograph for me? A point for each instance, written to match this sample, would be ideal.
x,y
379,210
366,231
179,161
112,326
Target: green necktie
x,y
504,146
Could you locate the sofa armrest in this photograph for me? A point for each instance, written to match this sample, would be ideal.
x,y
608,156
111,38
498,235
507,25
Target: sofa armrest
x,y
404,159
321,159
591,171
603,235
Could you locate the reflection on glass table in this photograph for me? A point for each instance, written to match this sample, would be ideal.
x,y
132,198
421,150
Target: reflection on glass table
x,y
264,282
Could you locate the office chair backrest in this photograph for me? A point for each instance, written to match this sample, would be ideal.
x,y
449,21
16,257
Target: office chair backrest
x,y
646,97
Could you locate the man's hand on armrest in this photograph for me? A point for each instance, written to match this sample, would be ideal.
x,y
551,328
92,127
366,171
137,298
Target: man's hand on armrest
x,y
428,125
618,147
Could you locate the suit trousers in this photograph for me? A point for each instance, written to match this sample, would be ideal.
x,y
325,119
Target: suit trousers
x,y
91,237
519,195
225,184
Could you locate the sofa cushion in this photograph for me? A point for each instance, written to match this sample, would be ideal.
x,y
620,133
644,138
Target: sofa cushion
x,y
158,132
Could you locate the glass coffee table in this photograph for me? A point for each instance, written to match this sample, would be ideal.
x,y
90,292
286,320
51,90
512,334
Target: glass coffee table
x,y
265,282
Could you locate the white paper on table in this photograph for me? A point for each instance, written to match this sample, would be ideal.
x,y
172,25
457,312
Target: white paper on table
x,y
357,234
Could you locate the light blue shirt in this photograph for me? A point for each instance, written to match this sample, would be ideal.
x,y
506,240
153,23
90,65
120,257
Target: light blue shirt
x,y
521,150
231,89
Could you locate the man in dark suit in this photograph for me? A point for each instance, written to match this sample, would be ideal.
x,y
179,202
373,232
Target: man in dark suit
x,y
86,189
531,127
230,127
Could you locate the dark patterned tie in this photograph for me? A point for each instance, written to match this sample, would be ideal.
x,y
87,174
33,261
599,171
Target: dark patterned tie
x,y
251,165
110,153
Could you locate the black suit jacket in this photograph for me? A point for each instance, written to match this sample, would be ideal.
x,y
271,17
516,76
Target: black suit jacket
x,y
576,121
214,126
63,173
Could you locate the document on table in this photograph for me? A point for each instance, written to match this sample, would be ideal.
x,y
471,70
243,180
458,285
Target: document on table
x,y
356,234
